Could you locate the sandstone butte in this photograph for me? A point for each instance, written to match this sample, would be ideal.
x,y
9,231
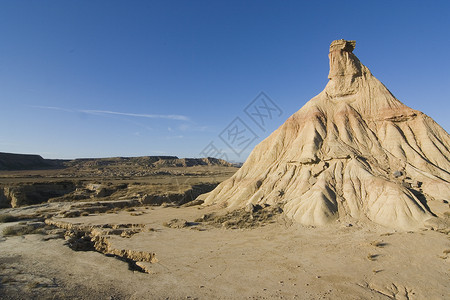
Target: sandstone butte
x,y
352,152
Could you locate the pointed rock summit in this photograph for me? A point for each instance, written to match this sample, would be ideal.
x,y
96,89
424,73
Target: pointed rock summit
x,y
353,151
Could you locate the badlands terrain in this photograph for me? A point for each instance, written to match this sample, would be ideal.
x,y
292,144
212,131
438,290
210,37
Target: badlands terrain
x,y
348,199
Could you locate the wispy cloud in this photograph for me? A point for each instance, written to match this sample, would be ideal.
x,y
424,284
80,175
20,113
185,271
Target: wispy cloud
x,y
53,108
189,127
150,116
171,137
108,112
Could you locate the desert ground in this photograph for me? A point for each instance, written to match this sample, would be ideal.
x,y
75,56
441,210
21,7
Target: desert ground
x,y
105,248
275,259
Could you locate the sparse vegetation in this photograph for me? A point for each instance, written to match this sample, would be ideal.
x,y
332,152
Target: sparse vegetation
x,y
18,230
134,214
372,257
7,218
6,280
241,218
386,234
33,285
72,214
378,244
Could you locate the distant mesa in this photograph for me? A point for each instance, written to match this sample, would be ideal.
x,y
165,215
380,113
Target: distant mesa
x,y
15,162
151,161
352,152
12,161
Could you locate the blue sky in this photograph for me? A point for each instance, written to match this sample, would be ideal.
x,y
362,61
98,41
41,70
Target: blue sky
x,y
130,78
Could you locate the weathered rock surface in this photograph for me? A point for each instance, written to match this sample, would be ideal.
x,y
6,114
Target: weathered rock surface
x,y
34,193
353,150
190,162
21,194
88,238
185,196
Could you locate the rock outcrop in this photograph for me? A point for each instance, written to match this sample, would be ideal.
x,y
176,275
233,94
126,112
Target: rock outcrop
x,y
146,161
33,193
65,191
353,150
191,162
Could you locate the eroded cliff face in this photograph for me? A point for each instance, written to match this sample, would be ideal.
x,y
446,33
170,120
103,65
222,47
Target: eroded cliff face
x,y
65,191
34,193
354,151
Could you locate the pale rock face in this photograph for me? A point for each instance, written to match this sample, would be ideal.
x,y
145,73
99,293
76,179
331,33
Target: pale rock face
x,y
336,157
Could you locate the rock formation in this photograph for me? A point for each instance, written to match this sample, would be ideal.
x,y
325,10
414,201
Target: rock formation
x,y
353,150
12,161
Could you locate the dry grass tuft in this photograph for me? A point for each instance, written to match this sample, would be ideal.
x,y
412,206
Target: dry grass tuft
x,y
18,230
372,257
6,280
33,285
378,244
7,218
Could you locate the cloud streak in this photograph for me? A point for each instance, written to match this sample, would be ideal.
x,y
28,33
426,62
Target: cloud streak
x,y
149,116
108,112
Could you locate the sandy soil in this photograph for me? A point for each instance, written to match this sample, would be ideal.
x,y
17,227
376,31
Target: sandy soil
x,y
279,260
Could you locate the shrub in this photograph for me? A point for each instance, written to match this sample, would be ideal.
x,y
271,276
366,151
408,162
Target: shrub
x,y
6,218
18,230
372,257
379,244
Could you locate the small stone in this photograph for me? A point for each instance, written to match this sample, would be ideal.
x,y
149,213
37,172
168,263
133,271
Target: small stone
x,y
249,208
398,174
